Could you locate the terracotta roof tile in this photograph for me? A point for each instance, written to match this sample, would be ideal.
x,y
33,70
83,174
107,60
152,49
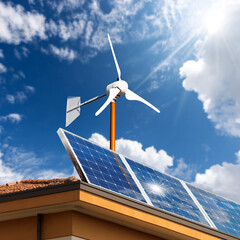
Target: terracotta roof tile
x,y
33,184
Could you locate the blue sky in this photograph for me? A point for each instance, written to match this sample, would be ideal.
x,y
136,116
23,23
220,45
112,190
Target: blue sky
x,y
182,56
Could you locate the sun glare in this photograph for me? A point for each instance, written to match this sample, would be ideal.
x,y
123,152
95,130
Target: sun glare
x,y
214,20
157,189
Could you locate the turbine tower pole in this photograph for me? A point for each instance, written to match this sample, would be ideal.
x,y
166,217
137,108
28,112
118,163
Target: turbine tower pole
x,y
112,125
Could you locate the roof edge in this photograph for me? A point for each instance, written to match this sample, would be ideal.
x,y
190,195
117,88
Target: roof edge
x,y
36,192
109,195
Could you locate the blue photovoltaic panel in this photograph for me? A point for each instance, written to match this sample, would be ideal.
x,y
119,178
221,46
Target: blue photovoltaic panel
x,y
103,168
225,214
166,192
108,170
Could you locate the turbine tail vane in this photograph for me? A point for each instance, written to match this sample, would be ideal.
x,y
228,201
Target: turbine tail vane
x,y
73,109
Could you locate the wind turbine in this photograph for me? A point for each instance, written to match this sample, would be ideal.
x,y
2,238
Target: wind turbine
x,y
113,91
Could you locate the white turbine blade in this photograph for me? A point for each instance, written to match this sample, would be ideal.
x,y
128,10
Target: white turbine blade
x,y
113,92
133,96
72,103
114,57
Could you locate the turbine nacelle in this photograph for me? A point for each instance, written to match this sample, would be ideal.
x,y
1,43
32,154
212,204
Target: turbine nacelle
x,y
120,84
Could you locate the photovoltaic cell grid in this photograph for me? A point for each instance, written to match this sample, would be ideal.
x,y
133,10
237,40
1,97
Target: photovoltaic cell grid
x,y
100,168
166,193
225,214
106,169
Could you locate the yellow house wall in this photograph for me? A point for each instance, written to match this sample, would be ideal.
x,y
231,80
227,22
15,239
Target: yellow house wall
x,y
73,223
19,229
96,229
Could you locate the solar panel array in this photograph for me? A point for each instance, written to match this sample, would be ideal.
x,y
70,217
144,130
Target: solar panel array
x,y
121,175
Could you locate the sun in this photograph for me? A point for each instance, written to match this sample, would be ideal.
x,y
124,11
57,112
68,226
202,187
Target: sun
x,y
214,19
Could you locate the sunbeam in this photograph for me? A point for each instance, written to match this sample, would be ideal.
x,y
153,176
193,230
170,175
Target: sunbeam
x,y
167,60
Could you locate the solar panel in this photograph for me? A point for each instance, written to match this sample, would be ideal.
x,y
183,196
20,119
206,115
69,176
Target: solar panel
x,y
166,192
101,167
224,213
114,172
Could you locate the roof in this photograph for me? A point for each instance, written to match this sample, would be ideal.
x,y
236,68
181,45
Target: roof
x,y
48,196
24,185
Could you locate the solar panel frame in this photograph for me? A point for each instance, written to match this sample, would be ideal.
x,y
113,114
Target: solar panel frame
x,y
71,154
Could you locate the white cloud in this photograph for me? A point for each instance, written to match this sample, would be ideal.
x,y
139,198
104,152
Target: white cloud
x,y
116,22
31,1
30,89
157,46
12,117
99,139
19,75
238,156
63,53
17,54
92,26
3,69
65,5
17,164
222,179
181,170
21,52
166,13
1,130
215,75
20,97
10,98
14,163
18,25
88,22
71,30
89,31
1,53
154,85
49,174
172,10
74,173
158,159
7,174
